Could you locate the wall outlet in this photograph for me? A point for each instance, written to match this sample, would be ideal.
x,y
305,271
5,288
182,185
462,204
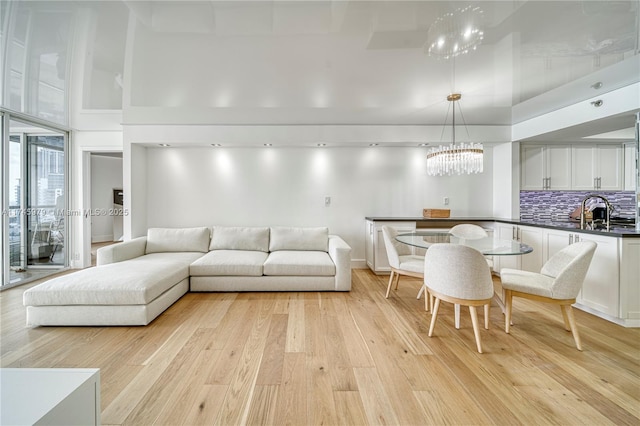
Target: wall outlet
x,y
327,201
445,201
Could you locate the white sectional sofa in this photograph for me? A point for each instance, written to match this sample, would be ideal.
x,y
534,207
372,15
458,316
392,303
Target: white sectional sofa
x,y
135,281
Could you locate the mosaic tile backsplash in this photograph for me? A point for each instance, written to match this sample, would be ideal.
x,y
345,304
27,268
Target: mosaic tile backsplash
x,y
558,205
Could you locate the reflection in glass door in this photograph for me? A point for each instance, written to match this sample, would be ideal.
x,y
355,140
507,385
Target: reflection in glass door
x,y
35,227
45,204
17,260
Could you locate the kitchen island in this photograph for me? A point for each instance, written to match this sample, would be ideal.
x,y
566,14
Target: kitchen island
x,y
611,289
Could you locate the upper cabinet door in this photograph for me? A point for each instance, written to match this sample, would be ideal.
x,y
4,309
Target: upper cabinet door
x,y
583,166
558,167
545,168
573,167
597,167
629,167
532,168
609,167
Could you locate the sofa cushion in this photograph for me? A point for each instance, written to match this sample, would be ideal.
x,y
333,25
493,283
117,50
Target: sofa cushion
x,y
178,240
297,262
289,238
137,281
229,262
239,238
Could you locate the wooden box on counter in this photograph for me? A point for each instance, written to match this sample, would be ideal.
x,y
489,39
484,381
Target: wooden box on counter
x,y
436,213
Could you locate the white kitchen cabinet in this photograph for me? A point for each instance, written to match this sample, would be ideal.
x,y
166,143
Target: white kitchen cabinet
x,y
596,167
630,281
545,167
532,168
629,167
529,235
600,290
375,250
601,287
555,240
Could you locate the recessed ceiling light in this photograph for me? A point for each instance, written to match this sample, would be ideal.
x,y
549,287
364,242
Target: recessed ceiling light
x,y
321,144
424,144
373,144
164,144
267,144
215,144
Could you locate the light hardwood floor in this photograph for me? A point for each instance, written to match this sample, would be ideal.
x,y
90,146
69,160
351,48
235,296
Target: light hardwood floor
x,y
341,358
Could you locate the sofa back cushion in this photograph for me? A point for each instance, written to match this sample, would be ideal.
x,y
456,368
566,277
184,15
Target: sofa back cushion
x,y
160,240
239,238
288,238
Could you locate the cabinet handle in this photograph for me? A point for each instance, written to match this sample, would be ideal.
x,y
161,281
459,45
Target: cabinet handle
x,y
570,239
513,233
548,183
595,183
599,183
576,239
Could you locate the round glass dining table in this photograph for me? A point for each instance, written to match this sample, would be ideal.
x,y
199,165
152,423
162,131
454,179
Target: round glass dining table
x,y
489,246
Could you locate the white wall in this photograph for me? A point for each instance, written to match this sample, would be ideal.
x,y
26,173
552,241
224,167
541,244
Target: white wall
x,y
135,190
506,180
288,186
106,175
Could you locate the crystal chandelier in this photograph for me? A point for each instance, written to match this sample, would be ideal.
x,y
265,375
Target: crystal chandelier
x,y
455,33
460,158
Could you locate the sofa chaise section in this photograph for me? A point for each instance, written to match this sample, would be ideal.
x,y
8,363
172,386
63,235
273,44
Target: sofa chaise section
x,y
134,282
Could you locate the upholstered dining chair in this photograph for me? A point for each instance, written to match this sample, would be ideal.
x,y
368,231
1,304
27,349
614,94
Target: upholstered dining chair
x,y
558,282
468,231
460,275
401,260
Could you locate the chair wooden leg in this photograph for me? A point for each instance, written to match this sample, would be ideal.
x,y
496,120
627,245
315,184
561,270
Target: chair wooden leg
x,y
390,282
434,316
420,292
572,323
508,298
427,299
456,315
476,327
565,318
397,280
486,316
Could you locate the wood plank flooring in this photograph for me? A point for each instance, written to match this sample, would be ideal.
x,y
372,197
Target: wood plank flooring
x,y
338,359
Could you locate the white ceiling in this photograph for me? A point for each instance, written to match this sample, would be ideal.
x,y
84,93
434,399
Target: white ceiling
x,y
354,62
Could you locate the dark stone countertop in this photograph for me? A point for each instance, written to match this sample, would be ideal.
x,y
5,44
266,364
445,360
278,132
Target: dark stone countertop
x,y
565,225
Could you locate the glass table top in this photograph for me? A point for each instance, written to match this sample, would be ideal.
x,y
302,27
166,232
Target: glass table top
x,y
488,246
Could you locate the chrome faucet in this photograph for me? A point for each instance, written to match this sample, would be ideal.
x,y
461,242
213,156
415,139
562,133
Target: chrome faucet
x,y
583,206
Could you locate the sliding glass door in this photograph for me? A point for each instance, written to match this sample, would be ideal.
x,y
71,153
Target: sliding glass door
x,y
35,202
